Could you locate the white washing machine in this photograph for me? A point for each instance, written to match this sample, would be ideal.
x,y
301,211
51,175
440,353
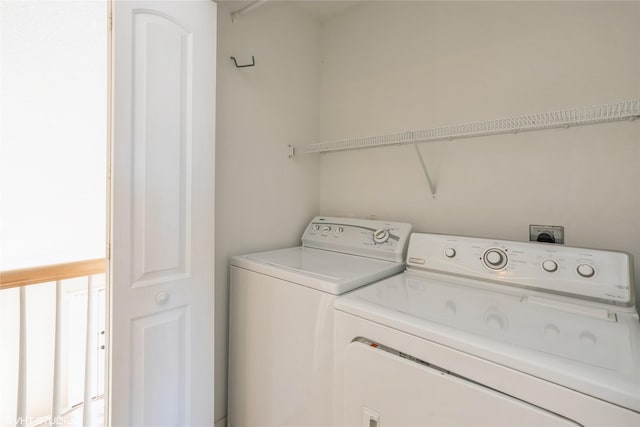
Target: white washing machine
x,y
281,317
482,332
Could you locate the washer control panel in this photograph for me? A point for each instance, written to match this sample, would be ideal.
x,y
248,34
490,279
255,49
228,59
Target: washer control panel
x,y
586,273
371,238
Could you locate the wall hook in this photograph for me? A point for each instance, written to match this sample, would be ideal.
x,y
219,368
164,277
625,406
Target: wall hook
x,y
253,62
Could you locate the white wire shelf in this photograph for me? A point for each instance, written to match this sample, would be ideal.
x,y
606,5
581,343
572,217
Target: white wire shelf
x,y
626,110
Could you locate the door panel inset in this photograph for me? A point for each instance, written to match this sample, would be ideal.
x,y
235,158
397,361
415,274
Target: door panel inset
x,y
160,394
161,197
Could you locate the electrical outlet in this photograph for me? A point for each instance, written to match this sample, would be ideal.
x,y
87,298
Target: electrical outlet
x,y
547,233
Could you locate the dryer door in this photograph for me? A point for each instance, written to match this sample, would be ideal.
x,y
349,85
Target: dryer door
x,y
385,388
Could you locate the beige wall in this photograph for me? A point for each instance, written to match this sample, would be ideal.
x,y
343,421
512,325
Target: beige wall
x,y
394,66
263,199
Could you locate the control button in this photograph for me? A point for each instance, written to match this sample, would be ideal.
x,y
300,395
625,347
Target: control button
x,y
326,229
316,227
381,235
339,230
450,252
416,260
586,270
495,259
588,338
551,330
549,265
495,322
494,319
450,307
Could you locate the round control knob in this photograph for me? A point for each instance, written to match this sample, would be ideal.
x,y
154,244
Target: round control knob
x,y
450,252
495,259
549,265
326,229
316,227
381,235
586,270
339,230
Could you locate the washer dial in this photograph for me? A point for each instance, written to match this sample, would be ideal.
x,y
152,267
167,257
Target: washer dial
x,y
380,235
495,259
450,252
549,265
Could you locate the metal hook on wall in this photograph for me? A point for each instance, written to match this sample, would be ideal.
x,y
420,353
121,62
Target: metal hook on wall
x,y
253,62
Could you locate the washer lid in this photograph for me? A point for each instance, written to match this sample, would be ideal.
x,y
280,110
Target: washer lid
x,y
583,347
327,271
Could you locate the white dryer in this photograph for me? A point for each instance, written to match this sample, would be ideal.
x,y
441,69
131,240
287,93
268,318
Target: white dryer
x,y
492,333
281,317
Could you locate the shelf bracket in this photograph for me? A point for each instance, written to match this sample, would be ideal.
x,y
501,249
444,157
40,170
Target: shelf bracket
x,y
426,172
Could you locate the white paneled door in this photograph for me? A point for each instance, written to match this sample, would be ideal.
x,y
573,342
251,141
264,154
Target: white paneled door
x,y
162,184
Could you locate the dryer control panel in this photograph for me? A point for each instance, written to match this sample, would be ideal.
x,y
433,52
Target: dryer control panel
x,y
370,238
592,274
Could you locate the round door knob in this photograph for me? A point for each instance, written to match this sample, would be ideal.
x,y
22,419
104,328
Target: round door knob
x,y
450,252
381,235
495,259
162,298
586,270
549,265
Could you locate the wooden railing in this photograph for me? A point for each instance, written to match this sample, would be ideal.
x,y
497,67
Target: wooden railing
x,y
54,273
50,273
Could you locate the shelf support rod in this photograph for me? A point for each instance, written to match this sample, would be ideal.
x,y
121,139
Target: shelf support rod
x,y
426,172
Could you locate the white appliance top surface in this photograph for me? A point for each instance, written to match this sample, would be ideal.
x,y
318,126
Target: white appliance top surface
x,y
589,347
327,271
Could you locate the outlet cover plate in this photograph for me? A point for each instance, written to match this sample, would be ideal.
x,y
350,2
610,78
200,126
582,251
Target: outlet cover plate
x,y
557,231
